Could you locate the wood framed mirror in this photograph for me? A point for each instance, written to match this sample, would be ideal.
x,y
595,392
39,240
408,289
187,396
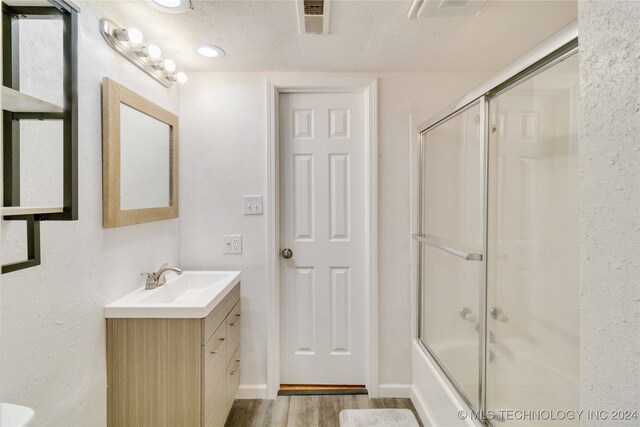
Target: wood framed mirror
x,y
139,158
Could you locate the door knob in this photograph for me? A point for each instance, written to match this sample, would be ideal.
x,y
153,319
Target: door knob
x,y
287,253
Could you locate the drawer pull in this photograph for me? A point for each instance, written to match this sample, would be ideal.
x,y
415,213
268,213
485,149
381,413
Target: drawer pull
x,y
236,321
235,369
217,349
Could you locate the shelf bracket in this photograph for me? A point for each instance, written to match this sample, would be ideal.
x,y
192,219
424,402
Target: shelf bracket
x,y
33,245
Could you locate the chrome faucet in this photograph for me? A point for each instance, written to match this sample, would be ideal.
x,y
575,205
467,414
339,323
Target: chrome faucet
x,y
157,279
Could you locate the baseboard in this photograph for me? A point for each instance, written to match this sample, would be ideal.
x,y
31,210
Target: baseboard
x,y
394,390
259,391
252,391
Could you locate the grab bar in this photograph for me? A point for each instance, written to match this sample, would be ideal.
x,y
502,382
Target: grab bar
x,y
431,241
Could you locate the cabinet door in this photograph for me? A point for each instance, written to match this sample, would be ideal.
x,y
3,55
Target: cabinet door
x,y
215,401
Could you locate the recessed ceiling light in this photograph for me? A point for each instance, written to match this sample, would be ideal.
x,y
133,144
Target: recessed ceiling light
x,y
172,6
210,51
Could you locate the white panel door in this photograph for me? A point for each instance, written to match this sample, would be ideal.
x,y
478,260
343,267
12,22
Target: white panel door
x,y
322,222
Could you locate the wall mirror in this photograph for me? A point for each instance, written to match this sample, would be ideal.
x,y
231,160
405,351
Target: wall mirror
x,y
139,158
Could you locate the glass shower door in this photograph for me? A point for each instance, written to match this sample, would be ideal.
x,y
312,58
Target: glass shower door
x,y
452,244
532,264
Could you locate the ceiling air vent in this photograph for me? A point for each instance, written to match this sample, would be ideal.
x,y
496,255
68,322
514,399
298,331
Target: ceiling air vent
x,y
313,16
313,7
447,8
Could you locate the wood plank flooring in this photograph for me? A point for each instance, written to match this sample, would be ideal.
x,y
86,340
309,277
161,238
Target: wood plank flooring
x,y
304,411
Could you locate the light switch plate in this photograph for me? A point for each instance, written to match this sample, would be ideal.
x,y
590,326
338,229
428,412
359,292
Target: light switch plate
x,y
252,205
232,244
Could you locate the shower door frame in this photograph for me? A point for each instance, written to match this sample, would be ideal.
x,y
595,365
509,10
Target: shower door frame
x,y
549,53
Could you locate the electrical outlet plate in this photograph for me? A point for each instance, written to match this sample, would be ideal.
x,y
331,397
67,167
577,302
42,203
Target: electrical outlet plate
x,y
252,205
232,244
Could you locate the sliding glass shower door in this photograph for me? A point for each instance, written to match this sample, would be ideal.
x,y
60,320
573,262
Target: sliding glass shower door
x,y
498,233
532,311
452,244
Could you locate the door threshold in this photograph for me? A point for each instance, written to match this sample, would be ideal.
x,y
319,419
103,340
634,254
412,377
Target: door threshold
x,y
320,390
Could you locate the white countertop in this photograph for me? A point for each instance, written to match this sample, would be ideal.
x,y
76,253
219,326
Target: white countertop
x,y
191,295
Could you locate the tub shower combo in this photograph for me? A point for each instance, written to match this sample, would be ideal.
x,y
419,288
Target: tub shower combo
x,y
497,241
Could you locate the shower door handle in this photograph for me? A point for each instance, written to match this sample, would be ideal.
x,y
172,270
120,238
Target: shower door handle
x,y
436,243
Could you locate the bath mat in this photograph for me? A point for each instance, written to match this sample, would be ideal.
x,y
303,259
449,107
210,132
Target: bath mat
x,y
377,417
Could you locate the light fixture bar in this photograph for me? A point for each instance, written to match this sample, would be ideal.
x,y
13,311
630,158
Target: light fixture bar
x,y
135,55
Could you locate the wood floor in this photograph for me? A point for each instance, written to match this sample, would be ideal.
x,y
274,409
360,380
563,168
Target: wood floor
x,y
304,411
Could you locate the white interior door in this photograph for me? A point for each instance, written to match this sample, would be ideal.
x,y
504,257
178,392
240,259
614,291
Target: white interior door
x,y
322,223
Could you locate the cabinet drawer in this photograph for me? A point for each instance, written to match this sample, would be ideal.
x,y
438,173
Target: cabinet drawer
x,y
218,314
216,349
233,331
233,377
215,387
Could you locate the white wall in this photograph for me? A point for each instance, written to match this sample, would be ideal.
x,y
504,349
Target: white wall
x,y
610,206
223,156
53,328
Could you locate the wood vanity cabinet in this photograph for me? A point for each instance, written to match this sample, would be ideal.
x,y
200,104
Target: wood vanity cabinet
x,y
174,372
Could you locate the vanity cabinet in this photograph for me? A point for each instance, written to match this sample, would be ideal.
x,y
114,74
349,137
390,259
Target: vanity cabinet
x,y
174,371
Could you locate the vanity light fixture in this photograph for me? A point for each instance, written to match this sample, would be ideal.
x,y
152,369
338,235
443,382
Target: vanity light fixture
x,y
172,6
210,51
128,43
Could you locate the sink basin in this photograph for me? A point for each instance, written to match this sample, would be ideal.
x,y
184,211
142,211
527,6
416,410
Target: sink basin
x,y
15,415
191,295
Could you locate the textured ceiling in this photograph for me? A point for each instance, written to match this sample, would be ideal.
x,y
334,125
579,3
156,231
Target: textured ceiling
x,y
364,35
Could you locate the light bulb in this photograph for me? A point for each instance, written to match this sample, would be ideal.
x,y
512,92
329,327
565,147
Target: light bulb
x,y
135,36
182,77
169,65
154,51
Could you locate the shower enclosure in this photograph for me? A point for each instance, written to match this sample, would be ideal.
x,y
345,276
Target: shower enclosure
x,y
498,245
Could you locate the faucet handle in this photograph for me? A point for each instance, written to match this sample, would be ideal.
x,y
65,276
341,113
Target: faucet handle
x,y
151,279
163,266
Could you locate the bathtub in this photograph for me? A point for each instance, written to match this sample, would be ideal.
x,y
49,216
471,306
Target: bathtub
x,y
518,380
